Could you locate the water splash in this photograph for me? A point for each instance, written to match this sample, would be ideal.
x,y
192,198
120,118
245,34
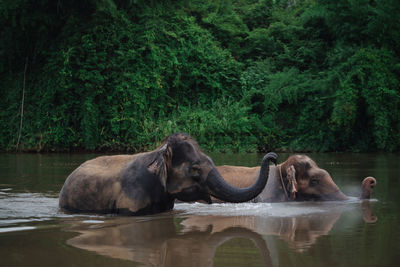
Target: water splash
x,y
28,211
14,229
27,205
289,209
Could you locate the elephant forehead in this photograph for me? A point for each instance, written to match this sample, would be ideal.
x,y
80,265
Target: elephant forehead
x,y
185,153
303,161
318,173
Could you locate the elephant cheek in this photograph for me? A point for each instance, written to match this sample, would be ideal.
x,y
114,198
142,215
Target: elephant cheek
x,y
303,187
179,187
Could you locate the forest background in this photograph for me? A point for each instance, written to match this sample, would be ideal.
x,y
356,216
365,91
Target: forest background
x,y
238,75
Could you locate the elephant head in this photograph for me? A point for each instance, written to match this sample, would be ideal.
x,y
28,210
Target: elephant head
x,y
312,182
187,174
148,183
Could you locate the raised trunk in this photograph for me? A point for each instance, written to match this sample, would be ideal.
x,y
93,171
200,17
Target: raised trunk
x,y
226,192
366,187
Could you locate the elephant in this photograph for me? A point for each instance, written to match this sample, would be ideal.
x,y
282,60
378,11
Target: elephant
x,y
149,182
297,179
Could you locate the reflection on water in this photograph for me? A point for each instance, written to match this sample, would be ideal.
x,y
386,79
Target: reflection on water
x,y
353,233
158,242
299,224
193,234
183,240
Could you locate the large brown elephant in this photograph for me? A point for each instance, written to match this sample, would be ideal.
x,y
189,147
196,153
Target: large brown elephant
x,y
148,183
298,178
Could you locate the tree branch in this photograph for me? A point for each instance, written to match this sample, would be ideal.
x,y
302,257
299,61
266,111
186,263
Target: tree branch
x,y
22,104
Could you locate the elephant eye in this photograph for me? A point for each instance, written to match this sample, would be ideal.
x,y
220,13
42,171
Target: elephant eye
x,y
196,170
195,167
314,182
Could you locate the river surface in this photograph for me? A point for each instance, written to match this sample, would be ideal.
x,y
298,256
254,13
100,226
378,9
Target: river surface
x,y
33,232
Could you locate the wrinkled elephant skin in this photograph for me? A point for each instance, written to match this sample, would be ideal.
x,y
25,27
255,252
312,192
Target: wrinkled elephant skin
x,y
149,183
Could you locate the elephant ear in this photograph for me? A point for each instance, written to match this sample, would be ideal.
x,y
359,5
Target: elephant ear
x,y
292,183
159,164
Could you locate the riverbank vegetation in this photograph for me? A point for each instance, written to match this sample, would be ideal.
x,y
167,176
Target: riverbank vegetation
x,y
240,75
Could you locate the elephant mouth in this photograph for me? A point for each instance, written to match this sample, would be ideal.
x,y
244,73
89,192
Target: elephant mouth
x,y
194,193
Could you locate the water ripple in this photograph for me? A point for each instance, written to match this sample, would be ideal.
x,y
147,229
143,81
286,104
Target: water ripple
x,y
27,205
263,209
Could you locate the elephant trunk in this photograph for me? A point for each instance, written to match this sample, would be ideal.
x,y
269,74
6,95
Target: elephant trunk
x,y
222,190
366,187
336,196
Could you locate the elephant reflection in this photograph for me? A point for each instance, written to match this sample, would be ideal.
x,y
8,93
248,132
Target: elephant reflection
x,y
299,232
193,241
156,242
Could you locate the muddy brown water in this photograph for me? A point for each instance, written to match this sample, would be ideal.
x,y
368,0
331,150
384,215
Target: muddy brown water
x,y
33,232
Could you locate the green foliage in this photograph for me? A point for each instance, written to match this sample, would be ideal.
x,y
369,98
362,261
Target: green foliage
x,y
240,75
368,98
218,125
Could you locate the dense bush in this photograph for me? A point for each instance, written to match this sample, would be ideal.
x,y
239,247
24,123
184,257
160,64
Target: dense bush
x,y
241,75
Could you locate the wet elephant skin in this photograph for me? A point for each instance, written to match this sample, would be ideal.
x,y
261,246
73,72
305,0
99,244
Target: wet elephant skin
x,y
149,183
297,179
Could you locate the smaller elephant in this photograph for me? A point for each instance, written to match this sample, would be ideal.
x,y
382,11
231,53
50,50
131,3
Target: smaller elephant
x,y
149,182
297,179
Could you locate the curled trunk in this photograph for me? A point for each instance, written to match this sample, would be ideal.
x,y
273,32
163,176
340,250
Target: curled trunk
x,y
226,192
366,187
